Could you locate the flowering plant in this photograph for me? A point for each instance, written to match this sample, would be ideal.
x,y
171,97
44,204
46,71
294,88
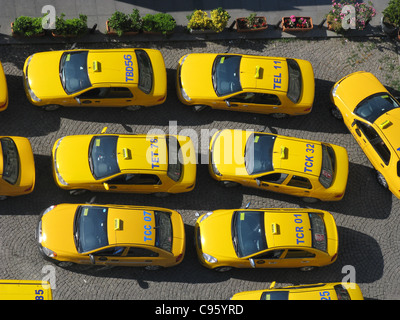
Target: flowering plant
x,y
251,22
199,20
297,22
362,14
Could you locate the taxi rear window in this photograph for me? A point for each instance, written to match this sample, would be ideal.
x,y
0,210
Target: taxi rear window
x,y
175,159
318,231
163,230
145,71
328,166
10,160
295,82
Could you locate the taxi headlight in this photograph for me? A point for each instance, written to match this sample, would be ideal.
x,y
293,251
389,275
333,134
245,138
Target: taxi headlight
x,y
334,90
209,259
49,253
59,177
205,216
184,95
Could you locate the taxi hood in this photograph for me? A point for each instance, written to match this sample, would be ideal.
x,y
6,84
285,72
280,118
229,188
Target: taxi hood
x,y
43,74
57,228
70,153
297,155
264,73
196,75
351,93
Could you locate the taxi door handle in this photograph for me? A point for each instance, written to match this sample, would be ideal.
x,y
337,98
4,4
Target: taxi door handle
x,y
86,101
272,262
102,258
112,187
307,261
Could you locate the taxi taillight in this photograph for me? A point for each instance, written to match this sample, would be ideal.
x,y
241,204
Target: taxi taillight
x,y
334,257
178,258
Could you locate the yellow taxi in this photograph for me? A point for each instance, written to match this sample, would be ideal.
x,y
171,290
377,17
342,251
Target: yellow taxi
x,y
114,235
266,238
258,84
3,90
124,77
309,169
159,164
372,115
318,291
17,167
25,290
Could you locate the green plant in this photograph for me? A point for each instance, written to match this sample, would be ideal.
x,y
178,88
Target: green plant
x,y
199,20
159,22
27,26
75,26
219,18
121,22
392,13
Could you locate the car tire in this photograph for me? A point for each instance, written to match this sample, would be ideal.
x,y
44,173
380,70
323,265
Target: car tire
x,y
51,107
77,192
152,268
229,184
279,115
199,108
65,264
223,269
336,113
381,180
133,108
310,200
161,194
307,268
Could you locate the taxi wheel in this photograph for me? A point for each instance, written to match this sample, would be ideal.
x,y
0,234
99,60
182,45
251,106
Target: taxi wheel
x,y
336,113
133,108
65,264
152,268
77,192
51,107
229,184
381,179
199,108
223,269
279,115
308,268
310,200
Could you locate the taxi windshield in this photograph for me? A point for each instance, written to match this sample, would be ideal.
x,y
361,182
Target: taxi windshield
x,y
90,228
258,153
10,160
145,71
225,75
73,71
374,106
248,234
103,156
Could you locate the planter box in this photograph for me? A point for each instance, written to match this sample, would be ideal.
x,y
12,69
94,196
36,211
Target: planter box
x,y
241,25
16,35
296,29
111,31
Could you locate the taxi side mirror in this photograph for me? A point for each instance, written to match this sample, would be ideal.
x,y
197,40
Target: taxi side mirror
x,y
78,100
272,285
258,181
354,122
104,130
252,263
227,103
106,186
92,260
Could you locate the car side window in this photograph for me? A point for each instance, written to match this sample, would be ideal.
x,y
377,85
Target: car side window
x,y
376,141
275,177
300,182
296,254
257,98
141,252
114,251
106,93
272,254
136,179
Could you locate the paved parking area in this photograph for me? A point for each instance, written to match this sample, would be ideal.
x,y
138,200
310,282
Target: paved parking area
x,y
368,217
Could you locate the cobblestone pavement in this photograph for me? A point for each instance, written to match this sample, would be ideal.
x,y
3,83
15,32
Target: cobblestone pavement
x,y
368,217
